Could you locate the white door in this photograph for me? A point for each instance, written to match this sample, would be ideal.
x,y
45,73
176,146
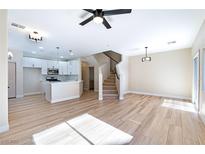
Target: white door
x,y
196,81
11,80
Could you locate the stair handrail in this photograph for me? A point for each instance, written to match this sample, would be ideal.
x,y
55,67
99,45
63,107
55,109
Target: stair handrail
x,y
116,61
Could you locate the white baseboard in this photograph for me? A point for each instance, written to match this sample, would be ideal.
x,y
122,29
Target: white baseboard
x,y
19,96
4,128
64,99
33,93
121,98
160,95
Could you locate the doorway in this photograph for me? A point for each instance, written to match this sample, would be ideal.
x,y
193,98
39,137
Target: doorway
x,y
11,80
91,78
196,80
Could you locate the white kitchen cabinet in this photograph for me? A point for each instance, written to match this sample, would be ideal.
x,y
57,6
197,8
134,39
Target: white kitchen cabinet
x,y
31,62
52,64
73,67
44,67
63,68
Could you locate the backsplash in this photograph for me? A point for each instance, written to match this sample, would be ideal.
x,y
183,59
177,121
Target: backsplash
x,y
61,77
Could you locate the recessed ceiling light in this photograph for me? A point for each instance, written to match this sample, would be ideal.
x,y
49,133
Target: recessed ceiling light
x,y
171,42
61,57
41,48
33,52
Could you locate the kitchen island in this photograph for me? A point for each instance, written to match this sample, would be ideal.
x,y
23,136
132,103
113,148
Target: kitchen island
x,y
62,91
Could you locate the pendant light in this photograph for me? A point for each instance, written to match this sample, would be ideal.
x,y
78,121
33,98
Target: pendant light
x,y
58,56
146,58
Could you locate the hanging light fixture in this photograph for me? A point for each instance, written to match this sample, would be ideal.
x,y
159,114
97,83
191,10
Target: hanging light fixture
x,y
58,56
10,55
71,53
146,58
35,36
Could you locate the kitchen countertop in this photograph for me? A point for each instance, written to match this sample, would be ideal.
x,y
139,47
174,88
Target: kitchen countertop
x,y
62,82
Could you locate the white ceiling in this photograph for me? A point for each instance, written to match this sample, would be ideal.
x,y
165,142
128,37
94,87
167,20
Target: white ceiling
x,y
129,34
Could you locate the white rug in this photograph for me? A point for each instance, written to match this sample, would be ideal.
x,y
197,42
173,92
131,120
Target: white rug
x,y
99,132
84,129
61,134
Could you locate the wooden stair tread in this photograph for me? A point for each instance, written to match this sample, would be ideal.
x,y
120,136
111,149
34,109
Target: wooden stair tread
x,y
109,88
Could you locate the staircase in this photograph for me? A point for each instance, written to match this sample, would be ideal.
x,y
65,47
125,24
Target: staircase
x,y
109,88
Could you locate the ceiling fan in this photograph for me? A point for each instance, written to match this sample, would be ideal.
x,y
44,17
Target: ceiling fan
x,y
98,16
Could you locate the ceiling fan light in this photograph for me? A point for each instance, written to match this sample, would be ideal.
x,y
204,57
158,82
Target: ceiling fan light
x,y
144,59
98,19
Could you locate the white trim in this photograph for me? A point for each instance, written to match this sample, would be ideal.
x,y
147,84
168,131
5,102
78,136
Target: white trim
x,y
64,99
32,93
155,94
121,97
197,104
4,128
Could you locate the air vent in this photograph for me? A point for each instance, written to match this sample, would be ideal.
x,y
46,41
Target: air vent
x,y
17,25
171,42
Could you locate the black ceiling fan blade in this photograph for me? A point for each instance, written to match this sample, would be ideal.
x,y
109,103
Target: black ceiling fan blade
x,y
106,24
89,10
86,21
116,12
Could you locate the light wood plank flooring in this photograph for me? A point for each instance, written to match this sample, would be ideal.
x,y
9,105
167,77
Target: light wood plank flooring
x,y
144,117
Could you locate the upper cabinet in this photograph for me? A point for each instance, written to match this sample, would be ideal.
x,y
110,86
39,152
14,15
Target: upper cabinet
x,y
73,67
44,67
31,62
65,68
52,64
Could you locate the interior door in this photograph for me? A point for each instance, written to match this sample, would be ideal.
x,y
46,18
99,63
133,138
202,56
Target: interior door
x,y
11,80
196,81
91,78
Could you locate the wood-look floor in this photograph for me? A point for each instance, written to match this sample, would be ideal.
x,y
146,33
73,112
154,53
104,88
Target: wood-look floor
x,y
142,116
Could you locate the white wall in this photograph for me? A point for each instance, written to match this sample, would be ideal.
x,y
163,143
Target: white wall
x,y
17,58
168,74
4,126
199,45
32,81
123,71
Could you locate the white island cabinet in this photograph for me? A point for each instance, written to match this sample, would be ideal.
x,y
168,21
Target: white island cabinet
x,y
62,91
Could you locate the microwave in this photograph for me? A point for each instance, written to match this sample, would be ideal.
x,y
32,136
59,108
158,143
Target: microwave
x,y
52,71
